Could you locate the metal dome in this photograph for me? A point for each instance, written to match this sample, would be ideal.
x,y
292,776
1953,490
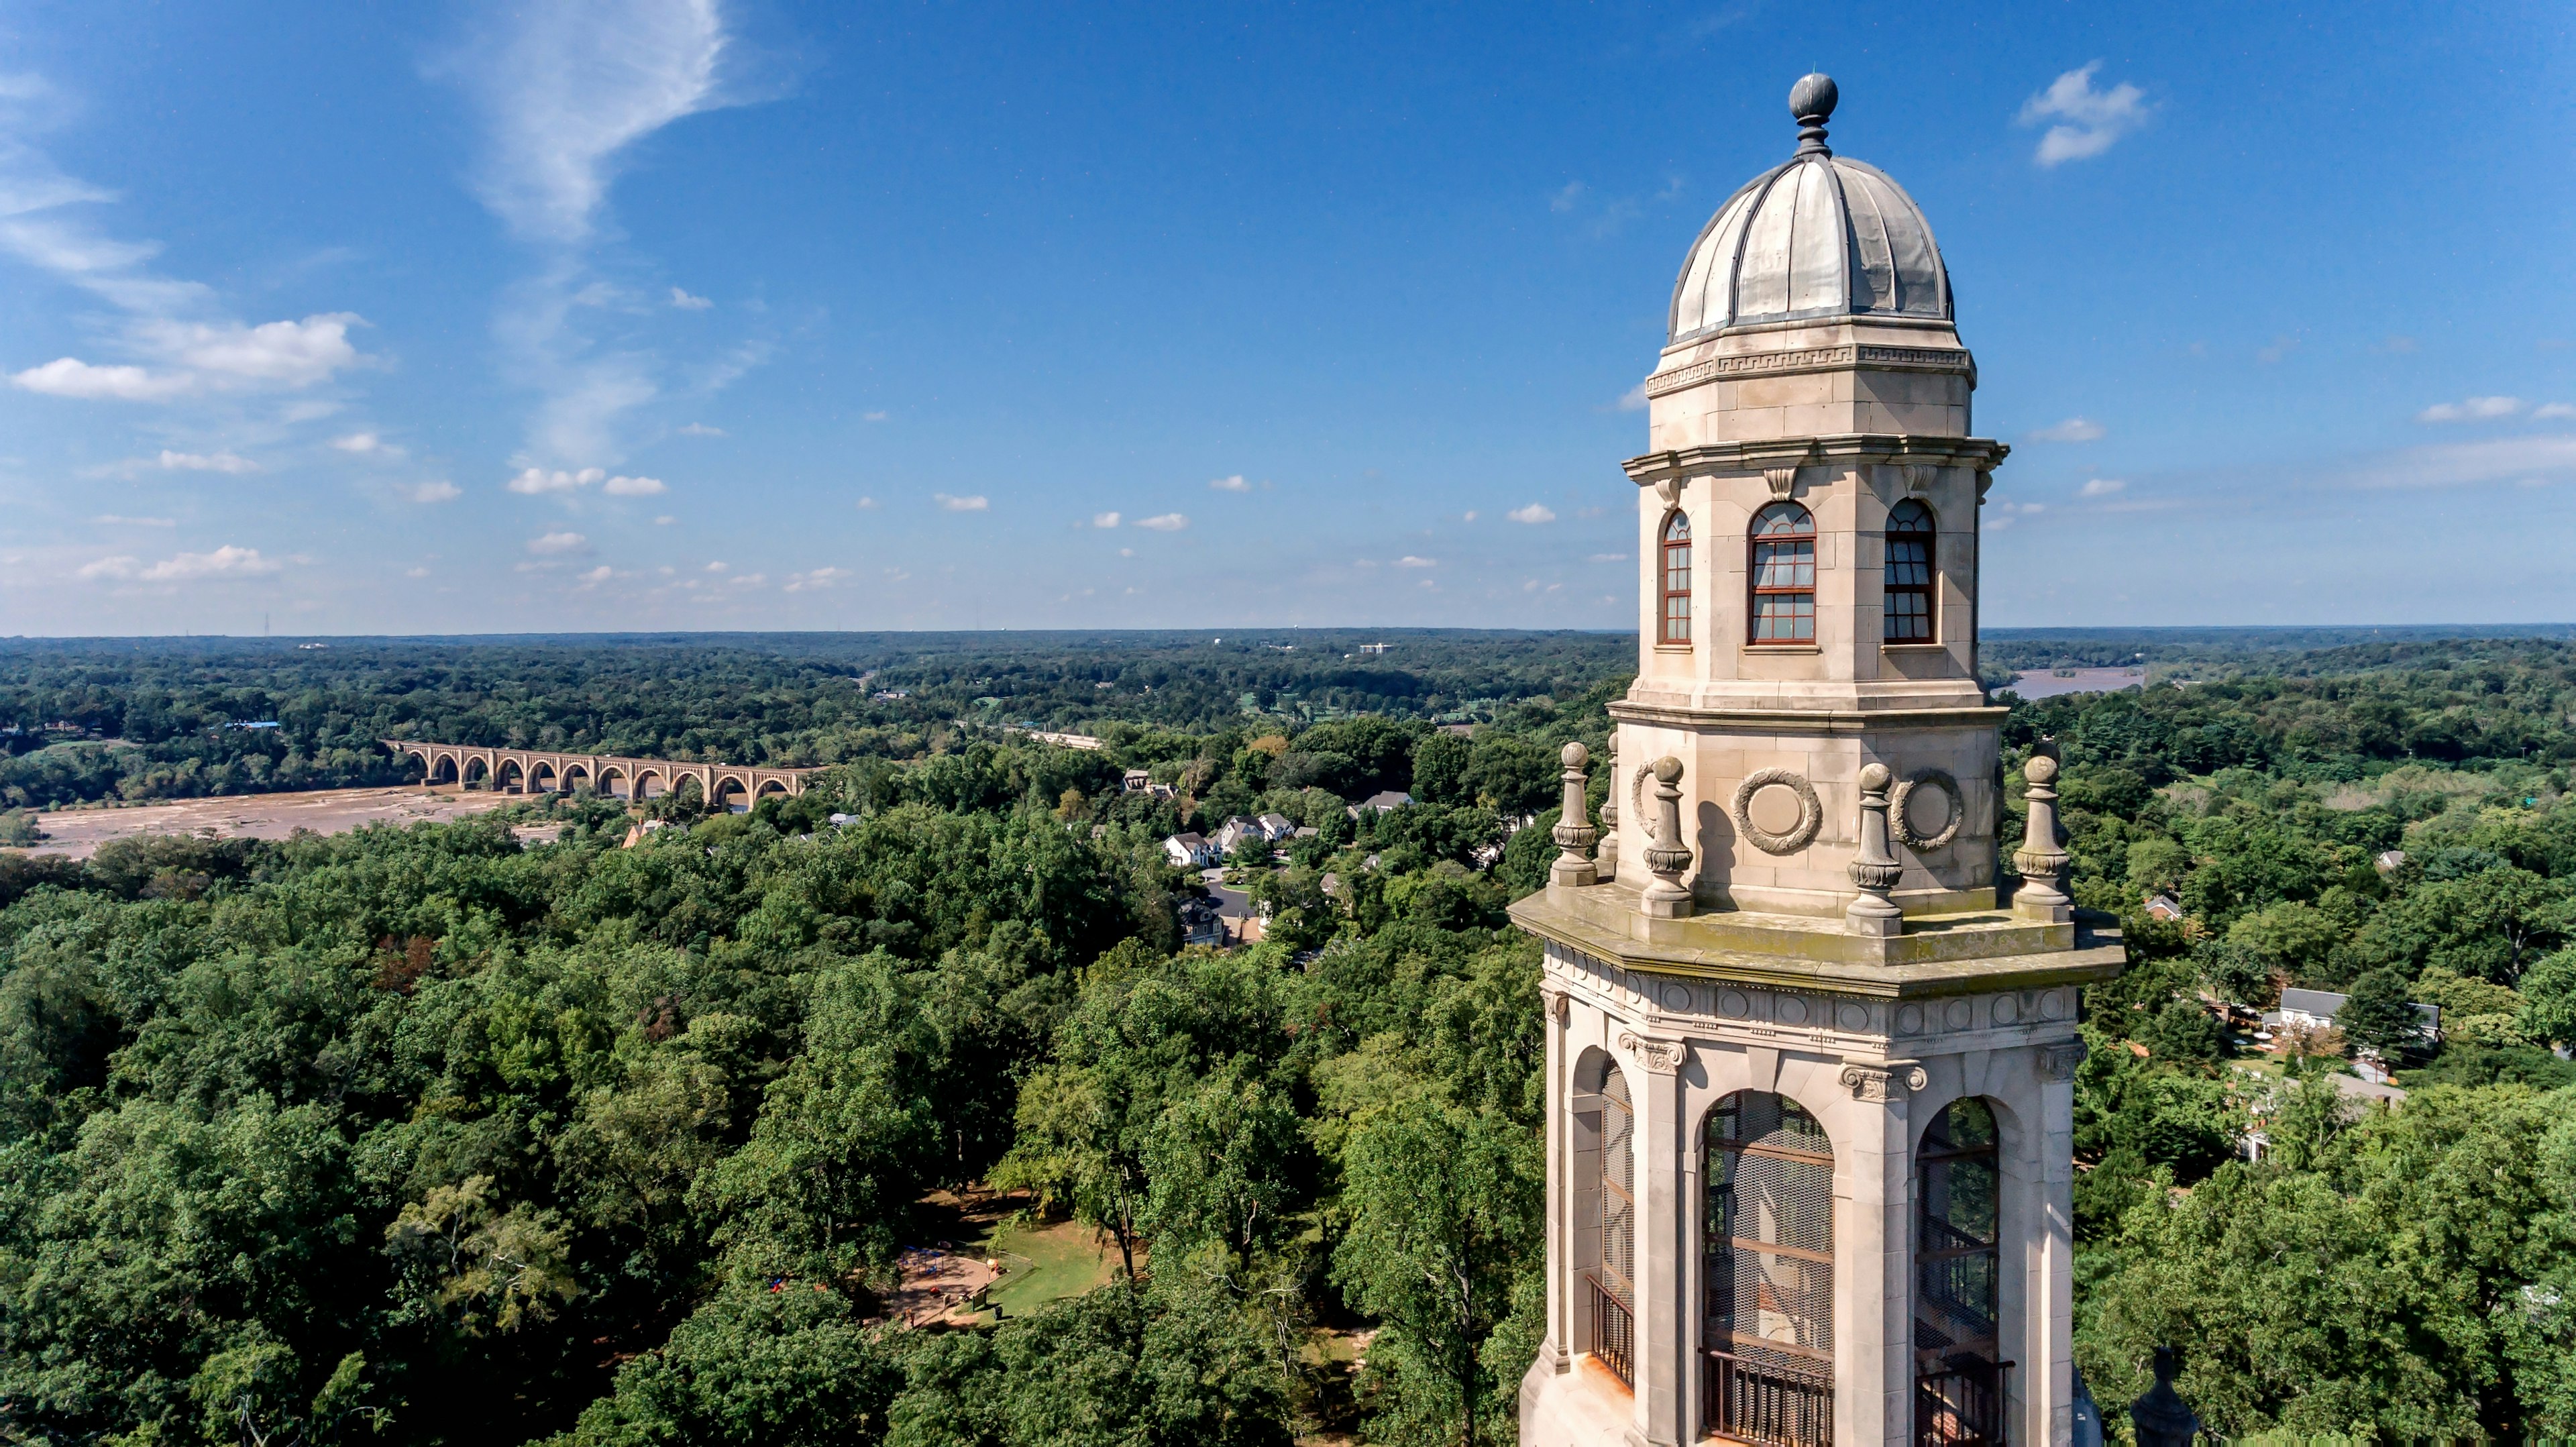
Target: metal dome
x,y
1820,236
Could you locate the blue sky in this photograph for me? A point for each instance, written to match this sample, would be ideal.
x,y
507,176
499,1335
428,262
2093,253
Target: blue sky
x,y
682,314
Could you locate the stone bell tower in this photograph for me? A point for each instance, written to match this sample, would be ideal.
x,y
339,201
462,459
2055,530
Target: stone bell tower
x,y
1811,1077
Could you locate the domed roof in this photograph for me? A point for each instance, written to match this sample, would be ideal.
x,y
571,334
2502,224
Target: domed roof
x,y
1819,236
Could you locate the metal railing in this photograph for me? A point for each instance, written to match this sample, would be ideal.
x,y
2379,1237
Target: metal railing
x,y
1614,1334
1963,1406
1748,1400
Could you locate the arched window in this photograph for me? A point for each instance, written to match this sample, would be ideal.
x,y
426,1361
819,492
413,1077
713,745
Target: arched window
x,y
1910,537
1959,1387
1614,1270
1784,575
1674,626
1767,1247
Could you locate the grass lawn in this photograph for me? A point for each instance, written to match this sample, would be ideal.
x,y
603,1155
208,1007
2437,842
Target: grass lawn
x,y
1046,1263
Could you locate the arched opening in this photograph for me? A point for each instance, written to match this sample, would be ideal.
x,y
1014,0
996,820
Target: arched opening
x,y
651,785
1783,573
577,777
1767,1267
442,770
510,779
478,773
1960,1386
730,795
688,788
1906,615
543,778
1673,610
1605,1184
767,788
613,782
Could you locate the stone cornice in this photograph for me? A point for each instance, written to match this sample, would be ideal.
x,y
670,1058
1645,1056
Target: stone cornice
x,y
1803,721
1753,457
1848,356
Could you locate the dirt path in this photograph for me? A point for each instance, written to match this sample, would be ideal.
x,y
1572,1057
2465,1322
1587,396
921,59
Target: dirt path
x,y
79,832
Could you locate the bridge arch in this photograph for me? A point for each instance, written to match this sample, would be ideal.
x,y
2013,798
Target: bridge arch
x,y
576,775
541,775
508,775
614,781
477,769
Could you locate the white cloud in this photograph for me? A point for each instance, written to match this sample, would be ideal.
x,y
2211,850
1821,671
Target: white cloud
x,y
121,566
873,416
1126,552
816,578
867,504
2472,409
634,487
1634,399
2549,410
1104,519
72,377
700,429
718,566
224,562
976,503
1170,522
113,520
664,521
2102,487
2460,464
687,303
286,353
535,481
1410,561
205,462
438,490
1468,516
554,543
597,576
2073,429
1230,484
1564,200
1607,558
2089,120
1537,512
566,87
358,442
415,572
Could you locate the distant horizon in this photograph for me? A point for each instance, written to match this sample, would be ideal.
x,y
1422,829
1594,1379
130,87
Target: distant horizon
x,y
1218,631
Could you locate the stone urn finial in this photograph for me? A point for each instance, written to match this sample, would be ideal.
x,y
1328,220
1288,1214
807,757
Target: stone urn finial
x,y
1875,869
1574,833
1605,860
1668,857
2042,855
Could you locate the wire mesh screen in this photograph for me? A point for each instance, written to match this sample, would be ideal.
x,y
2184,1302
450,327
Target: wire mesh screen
x,y
1769,1270
1959,1397
1618,1191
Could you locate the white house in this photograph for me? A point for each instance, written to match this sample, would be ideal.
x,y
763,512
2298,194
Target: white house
x,y
1190,851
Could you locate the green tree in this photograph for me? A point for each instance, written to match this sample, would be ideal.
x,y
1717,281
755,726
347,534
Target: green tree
x,y
2549,999
1444,1209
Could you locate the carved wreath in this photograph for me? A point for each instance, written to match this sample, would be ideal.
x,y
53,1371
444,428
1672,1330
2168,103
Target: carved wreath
x,y
1811,815
1902,827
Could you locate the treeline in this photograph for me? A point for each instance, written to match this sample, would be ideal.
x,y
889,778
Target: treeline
x,y
2400,834
165,718
426,1136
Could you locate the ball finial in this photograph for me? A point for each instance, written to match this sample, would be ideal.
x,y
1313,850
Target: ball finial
x,y
1874,776
1811,104
1575,755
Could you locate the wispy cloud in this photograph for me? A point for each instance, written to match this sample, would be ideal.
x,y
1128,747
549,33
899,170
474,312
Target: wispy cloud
x,y
438,490
204,462
634,487
2547,457
700,429
976,502
815,578
1104,519
224,562
2550,411
362,444
537,481
2087,121
1410,561
1170,522
2073,429
2472,409
2101,487
565,90
1537,512
1230,484
553,544
1566,199
867,504
112,520
1634,399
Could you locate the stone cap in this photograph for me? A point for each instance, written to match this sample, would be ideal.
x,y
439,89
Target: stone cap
x,y
1937,955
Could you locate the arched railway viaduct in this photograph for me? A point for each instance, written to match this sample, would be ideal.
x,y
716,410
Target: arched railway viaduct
x,y
535,771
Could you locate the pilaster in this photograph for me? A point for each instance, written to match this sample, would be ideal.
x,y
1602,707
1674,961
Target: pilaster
x,y
1664,1381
